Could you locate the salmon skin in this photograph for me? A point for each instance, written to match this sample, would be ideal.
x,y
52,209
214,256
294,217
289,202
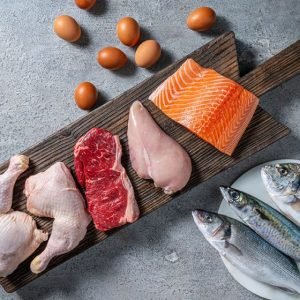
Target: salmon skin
x,y
213,107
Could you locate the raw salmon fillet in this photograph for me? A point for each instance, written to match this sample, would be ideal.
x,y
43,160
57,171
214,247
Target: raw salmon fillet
x,y
213,107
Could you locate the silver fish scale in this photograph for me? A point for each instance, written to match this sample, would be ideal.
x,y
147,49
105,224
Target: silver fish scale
x,y
277,230
259,259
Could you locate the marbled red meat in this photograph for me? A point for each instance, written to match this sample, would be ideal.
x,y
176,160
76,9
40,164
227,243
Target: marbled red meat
x,y
108,190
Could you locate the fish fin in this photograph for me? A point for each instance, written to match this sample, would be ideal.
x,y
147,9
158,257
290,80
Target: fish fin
x,y
233,248
296,205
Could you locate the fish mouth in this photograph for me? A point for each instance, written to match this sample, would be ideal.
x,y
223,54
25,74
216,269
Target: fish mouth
x,y
267,178
199,219
265,175
265,171
224,191
198,215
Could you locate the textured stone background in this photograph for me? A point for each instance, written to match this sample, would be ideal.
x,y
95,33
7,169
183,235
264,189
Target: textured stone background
x,y
37,78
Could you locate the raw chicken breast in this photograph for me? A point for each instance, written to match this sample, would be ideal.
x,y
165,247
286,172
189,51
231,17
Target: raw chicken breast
x,y
154,155
19,237
54,194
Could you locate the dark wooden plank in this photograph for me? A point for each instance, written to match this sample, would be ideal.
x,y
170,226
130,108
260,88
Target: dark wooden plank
x,y
219,54
275,71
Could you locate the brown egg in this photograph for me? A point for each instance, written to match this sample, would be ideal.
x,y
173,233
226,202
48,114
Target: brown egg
x,y
201,19
67,28
85,4
147,53
128,31
111,58
85,95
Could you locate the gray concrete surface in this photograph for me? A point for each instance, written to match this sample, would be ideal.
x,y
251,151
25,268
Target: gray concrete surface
x,y
37,78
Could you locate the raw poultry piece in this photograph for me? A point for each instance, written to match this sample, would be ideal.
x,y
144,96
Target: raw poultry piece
x,y
154,155
18,164
53,194
19,236
213,107
282,181
108,190
248,252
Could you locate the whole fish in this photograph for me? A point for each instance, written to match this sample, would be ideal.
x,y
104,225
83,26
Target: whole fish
x,y
270,224
282,182
247,251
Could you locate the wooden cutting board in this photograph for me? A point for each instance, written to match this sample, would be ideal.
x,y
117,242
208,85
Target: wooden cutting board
x,y
219,54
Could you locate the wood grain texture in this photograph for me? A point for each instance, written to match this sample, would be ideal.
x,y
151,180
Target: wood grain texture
x,y
275,71
219,54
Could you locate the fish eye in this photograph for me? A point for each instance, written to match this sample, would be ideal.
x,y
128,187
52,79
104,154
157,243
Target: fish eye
x,y
283,171
234,194
208,219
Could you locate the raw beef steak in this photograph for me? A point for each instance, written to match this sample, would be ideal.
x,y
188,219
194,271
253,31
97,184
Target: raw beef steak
x,y
108,190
